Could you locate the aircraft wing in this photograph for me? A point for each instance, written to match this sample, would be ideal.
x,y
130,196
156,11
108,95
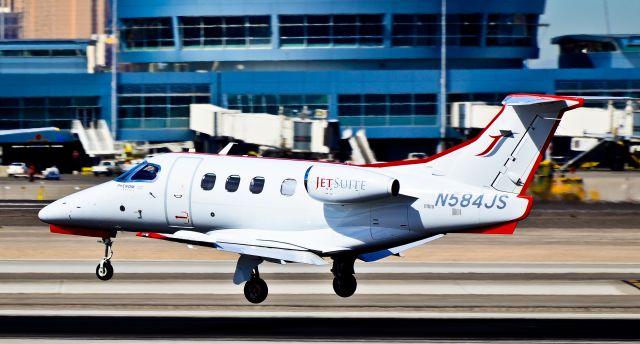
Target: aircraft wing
x,y
23,131
271,250
377,255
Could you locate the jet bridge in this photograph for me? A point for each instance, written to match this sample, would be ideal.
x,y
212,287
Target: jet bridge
x,y
96,138
296,134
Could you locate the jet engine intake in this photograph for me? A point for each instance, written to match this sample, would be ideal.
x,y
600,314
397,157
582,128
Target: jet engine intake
x,y
346,184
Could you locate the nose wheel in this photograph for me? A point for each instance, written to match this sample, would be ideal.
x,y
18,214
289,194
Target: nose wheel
x,y
104,270
255,289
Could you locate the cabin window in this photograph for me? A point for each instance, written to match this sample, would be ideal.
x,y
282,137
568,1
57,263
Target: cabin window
x,y
288,187
257,184
208,181
232,184
147,173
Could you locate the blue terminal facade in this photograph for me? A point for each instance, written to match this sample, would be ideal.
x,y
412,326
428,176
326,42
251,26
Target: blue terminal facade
x,y
371,64
368,64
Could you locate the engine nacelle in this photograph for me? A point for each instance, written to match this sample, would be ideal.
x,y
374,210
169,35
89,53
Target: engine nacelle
x,y
344,184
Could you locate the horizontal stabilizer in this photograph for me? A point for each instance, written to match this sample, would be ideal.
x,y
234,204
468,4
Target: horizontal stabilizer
x,y
516,100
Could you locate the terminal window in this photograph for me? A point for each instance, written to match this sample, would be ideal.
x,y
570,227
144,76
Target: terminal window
x,y
33,112
489,98
511,29
225,32
286,104
607,88
415,30
159,106
347,30
146,33
410,30
43,53
464,29
387,109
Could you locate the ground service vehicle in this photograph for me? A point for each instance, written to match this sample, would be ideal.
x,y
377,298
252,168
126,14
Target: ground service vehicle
x,y
17,168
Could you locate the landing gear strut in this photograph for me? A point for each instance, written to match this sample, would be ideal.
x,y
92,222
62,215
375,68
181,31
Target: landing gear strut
x,y
256,290
104,270
344,283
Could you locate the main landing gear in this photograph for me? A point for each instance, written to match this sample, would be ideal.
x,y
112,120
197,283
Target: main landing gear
x,y
344,283
104,270
255,289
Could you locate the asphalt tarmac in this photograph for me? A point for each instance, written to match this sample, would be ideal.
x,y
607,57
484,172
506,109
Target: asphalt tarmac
x,y
395,302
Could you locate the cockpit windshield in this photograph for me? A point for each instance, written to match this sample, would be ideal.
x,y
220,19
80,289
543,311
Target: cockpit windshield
x,y
147,173
143,172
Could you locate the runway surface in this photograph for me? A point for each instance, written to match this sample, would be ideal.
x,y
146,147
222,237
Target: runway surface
x,y
569,273
394,301
410,289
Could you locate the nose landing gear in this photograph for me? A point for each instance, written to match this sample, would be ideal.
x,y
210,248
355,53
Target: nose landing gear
x,y
344,283
104,270
255,289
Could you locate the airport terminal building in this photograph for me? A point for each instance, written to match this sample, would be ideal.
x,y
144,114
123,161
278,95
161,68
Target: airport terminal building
x,y
373,65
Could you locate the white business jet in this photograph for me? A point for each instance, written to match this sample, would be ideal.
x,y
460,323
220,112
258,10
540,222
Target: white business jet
x,y
284,211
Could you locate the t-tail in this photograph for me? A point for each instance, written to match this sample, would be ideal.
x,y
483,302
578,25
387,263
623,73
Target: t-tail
x,y
505,155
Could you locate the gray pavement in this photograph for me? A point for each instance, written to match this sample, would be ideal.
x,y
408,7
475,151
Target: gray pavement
x,y
187,288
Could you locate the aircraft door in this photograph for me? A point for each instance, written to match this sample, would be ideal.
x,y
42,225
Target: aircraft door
x,y
178,198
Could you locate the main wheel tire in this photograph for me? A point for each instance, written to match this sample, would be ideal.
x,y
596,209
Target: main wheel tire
x,y
345,285
106,272
256,290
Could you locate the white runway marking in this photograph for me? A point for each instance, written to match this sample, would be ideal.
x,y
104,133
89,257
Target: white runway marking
x,y
22,208
292,287
23,204
193,266
317,314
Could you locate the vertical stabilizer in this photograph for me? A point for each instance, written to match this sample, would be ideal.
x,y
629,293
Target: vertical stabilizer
x,y
507,152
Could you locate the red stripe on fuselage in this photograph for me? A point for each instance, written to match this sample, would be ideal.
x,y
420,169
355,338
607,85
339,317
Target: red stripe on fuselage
x,y
151,235
98,233
505,228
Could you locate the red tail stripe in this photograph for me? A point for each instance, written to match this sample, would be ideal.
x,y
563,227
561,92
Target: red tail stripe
x,y
495,138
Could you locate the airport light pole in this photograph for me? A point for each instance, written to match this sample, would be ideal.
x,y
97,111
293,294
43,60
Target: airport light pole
x,y
443,74
114,68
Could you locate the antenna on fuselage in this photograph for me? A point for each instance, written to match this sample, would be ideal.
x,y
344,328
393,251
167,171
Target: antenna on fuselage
x,y
226,149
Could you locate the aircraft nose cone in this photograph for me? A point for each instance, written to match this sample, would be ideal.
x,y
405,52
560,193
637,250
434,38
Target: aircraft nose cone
x,y
54,213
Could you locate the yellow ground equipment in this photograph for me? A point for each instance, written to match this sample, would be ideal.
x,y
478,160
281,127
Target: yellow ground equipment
x,y
547,187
